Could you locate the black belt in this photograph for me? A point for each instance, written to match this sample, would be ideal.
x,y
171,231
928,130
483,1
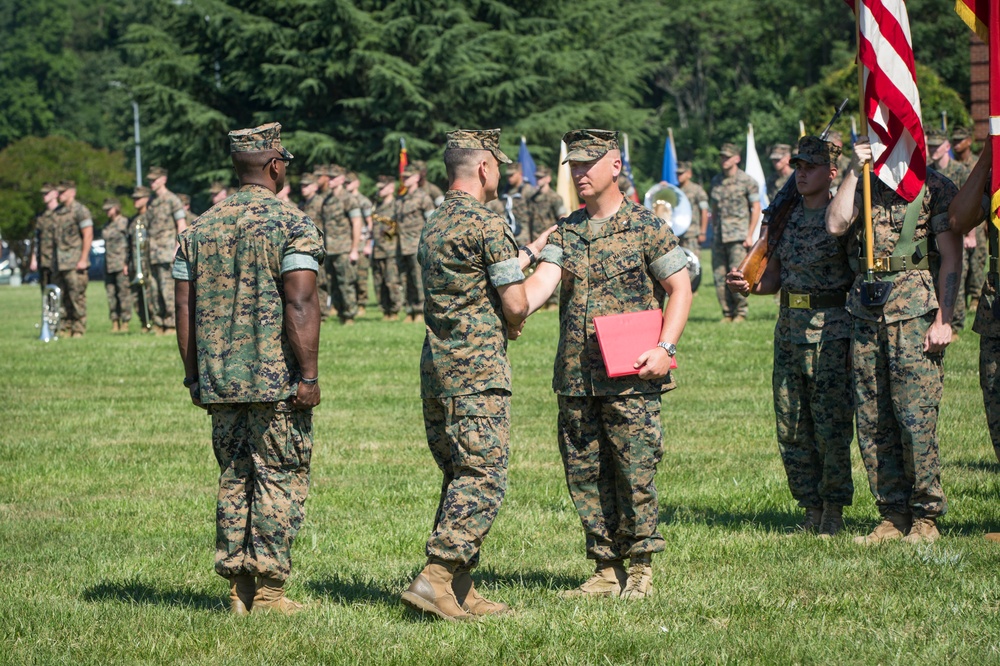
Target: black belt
x,y
801,301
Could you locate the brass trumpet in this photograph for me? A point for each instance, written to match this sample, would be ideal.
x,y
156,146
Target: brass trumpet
x,y
389,226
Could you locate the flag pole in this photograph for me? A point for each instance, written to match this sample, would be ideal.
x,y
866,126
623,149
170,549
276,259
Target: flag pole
x,y
866,170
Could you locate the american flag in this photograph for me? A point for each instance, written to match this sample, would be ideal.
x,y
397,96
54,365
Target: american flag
x,y
983,16
890,101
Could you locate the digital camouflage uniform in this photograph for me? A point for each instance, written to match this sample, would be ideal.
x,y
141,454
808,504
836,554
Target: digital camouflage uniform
x,y
410,211
140,292
313,208
699,201
975,275
811,380
164,212
45,245
235,256
338,211
897,386
958,173
731,200
69,222
774,183
987,325
466,254
547,208
609,429
116,281
364,260
515,207
385,267
433,191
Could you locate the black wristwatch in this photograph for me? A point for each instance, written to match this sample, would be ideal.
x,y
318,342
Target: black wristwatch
x,y
532,259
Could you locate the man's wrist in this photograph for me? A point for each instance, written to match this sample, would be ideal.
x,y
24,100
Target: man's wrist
x,y
190,381
532,259
309,381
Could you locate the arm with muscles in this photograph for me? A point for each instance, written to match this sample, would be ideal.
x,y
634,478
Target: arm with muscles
x,y
302,320
356,222
754,222
655,363
184,303
540,286
515,307
841,212
703,229
88,238
967,211
939,334
769,283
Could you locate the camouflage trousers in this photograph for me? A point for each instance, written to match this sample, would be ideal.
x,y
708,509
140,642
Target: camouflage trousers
x,y
160,287
897,391
386,278
989,381
264,451
46,276
413,286
469,437
140,298
73,315
361,279
342,275
119,296
610,447
323,289
726,257
814,413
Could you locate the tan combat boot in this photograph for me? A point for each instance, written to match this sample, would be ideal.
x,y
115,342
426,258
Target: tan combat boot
x,y
431,592
923,531
270,597
114,326
739,319
973,304
470,600
812,521
241,593
608,581
832,521
893,526
123,327
640,579
992,536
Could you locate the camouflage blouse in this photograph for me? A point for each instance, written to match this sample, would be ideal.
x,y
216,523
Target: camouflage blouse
x,y
69,223
235,256
731,199
162,215
115,235
466,253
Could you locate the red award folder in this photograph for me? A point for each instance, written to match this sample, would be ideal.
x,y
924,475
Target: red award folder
x,y
624,337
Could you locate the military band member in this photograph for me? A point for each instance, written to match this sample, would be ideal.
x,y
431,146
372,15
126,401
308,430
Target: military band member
x,y
165,218
385,267
116,275
342,222
410,210
515,204
44,238
432,190
219,191
781,161
74,233
140,292
353,185
698,198
312,205
547,206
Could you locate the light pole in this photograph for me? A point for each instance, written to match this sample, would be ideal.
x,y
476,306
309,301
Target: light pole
x,y
138,143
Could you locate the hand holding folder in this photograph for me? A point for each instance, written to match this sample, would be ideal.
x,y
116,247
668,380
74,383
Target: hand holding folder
x,y
623,338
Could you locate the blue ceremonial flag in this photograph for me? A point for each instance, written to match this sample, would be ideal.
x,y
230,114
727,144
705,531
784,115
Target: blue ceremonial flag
x,y
527,164
626,158
669,173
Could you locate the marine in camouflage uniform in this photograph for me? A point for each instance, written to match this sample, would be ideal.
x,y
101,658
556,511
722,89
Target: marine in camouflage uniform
x,y
432,190
385,268
811,381
699,208
342,224
116,275
44,237
780,160
472,280
74,231
897,384
609,430
957,172
515,205
164,218
547,206
364,264
735,201
139,241
312,206
410,211
242,268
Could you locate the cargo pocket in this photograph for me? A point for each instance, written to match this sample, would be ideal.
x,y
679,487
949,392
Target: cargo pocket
x,y
483,427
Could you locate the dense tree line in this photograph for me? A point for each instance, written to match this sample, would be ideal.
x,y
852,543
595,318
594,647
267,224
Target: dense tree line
x,y
348,79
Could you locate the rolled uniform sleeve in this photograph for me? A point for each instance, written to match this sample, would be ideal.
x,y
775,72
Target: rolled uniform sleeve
x,y
182,267
553,252
943,191
753,193
500,250
663,254
304,249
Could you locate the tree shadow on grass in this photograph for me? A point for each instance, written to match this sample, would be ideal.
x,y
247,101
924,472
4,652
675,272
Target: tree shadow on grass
x,y
355,589
536,580
135,592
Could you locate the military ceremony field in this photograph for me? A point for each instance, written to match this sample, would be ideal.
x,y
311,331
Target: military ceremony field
x,y
107,510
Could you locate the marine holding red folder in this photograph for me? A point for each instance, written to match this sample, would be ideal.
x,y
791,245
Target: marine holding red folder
x,y
612,257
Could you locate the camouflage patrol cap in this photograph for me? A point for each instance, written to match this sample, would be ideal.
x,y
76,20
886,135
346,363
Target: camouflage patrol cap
x,y
47,187
683,166
258,139
780,150
66,185
155,172
835,137
410,170
960,134
588,145
216,187
542,172
350,177
111,203
935,137
141,192
421,165
334,170
729,150
385,179
308,179
814,150
477,140
185,199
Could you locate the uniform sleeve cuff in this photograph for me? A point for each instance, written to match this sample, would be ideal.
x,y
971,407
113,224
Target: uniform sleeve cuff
x,y
505,272
552,254
86,223
182,270
703,205
754,198
668,264
180,214
298,262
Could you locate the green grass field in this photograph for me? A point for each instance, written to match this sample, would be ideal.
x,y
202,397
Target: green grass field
x,y
107,500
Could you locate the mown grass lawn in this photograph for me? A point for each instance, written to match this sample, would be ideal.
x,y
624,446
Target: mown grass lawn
x,y
107,499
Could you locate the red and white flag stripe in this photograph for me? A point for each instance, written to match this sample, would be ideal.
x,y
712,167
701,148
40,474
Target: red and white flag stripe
x,y
891,101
